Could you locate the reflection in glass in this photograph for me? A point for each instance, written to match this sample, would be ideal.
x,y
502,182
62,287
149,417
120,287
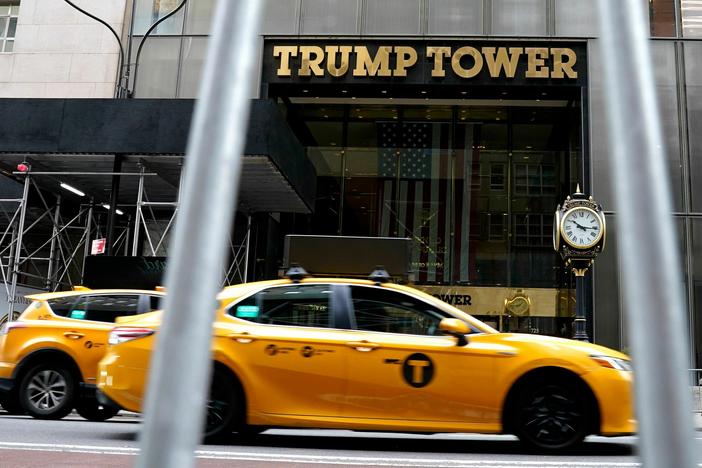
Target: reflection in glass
x,y
474,187
693,85
147,12
691,18
697,288
662,17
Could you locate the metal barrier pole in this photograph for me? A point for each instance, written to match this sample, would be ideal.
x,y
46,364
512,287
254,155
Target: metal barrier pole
x,y
52,250
648,246
87,247
18,249
137,215
180,366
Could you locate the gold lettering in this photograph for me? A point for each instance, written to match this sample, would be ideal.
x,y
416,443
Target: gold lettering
x,y
417,370
477,62
331,59
406,57
377,66
560,66
502,61
284,52
537,62
311,65
439,53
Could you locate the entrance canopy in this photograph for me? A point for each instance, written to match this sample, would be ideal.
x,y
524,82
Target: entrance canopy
x,y
84,135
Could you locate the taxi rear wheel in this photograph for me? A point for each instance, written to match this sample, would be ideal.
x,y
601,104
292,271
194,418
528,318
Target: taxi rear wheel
x,y
47,391
551,416
223,406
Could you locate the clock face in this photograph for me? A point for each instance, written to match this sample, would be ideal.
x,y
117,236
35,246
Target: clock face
x,y
581,227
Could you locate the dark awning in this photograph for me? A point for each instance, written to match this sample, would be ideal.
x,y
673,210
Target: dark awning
x,y
83,135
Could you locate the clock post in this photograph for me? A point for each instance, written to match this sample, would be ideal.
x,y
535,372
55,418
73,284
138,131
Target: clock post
x,y
579,236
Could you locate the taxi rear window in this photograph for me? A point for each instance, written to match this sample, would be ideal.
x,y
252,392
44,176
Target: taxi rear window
x,y
296,305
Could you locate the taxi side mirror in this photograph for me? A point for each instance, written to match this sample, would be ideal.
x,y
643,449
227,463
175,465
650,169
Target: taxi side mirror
x,y
455,327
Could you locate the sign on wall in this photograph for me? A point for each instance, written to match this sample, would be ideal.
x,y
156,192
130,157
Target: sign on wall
x,y
413,62
20,302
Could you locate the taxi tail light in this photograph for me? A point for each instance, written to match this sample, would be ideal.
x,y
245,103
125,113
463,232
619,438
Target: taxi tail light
x,y
10,326
123,334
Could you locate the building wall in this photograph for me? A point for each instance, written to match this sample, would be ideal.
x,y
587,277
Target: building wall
x,y
61,53
675,31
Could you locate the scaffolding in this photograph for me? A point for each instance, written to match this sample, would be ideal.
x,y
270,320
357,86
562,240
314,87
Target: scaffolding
x,y
56,258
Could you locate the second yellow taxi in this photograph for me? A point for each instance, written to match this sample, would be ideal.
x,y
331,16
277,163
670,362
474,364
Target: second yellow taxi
x,y
372,355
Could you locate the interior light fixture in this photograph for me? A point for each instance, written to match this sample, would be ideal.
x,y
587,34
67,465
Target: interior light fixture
x,y
70,188
107,207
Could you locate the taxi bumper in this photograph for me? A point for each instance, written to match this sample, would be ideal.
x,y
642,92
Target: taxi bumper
x,y
614,392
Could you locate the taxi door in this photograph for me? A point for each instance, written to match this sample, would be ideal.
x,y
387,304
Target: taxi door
x,y
89,320
284,346
402,369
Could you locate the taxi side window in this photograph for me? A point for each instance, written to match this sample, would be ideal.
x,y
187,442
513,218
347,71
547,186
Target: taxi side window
x,y
104,307
392,312
296,305
62,306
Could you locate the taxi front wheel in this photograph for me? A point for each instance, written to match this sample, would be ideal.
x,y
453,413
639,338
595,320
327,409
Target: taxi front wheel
x,y
47,391
223,406
552,416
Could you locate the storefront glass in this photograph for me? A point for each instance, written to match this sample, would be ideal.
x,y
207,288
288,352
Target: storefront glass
x,y
474,185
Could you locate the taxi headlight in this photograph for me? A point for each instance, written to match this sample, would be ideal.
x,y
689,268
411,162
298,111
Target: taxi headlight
x,y
612,362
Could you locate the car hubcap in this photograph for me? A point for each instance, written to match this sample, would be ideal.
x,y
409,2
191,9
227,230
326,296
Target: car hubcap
x,y
552,417
47,390
217,412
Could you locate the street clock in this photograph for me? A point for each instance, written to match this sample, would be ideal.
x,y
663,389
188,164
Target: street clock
x,y
582,227
579,233
579,229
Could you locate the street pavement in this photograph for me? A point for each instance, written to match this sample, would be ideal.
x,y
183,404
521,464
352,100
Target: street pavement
x,y
74,442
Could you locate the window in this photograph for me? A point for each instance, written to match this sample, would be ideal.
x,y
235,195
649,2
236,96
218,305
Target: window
x,y
533,230
300,306
9,12
534,179
385,311
102,308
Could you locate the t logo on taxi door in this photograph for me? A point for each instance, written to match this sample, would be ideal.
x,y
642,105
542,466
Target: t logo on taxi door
x,y
418,370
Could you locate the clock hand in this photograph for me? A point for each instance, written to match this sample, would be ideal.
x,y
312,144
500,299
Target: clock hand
x,y
579,226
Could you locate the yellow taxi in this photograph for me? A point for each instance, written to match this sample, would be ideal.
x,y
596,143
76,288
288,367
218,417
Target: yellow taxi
x,y
373,355
49,354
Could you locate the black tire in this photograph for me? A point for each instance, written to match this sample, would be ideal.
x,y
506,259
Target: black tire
x,y
11,404
47,391
223,407
551,416
92,410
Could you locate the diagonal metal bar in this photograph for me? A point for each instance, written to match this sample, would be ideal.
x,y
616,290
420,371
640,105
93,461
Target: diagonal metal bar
x,y
647,241
174,406
168,227
57,235
69,262
146,232
27,229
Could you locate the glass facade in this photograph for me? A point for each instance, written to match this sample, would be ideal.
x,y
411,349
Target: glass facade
x,y
450,174
473,185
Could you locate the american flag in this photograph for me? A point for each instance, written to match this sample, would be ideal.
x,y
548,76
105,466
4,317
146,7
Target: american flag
x,y
405,146
416,199
414,191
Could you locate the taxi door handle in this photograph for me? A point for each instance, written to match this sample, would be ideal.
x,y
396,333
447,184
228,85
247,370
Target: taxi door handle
x,y
73,335
242,337
363,346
